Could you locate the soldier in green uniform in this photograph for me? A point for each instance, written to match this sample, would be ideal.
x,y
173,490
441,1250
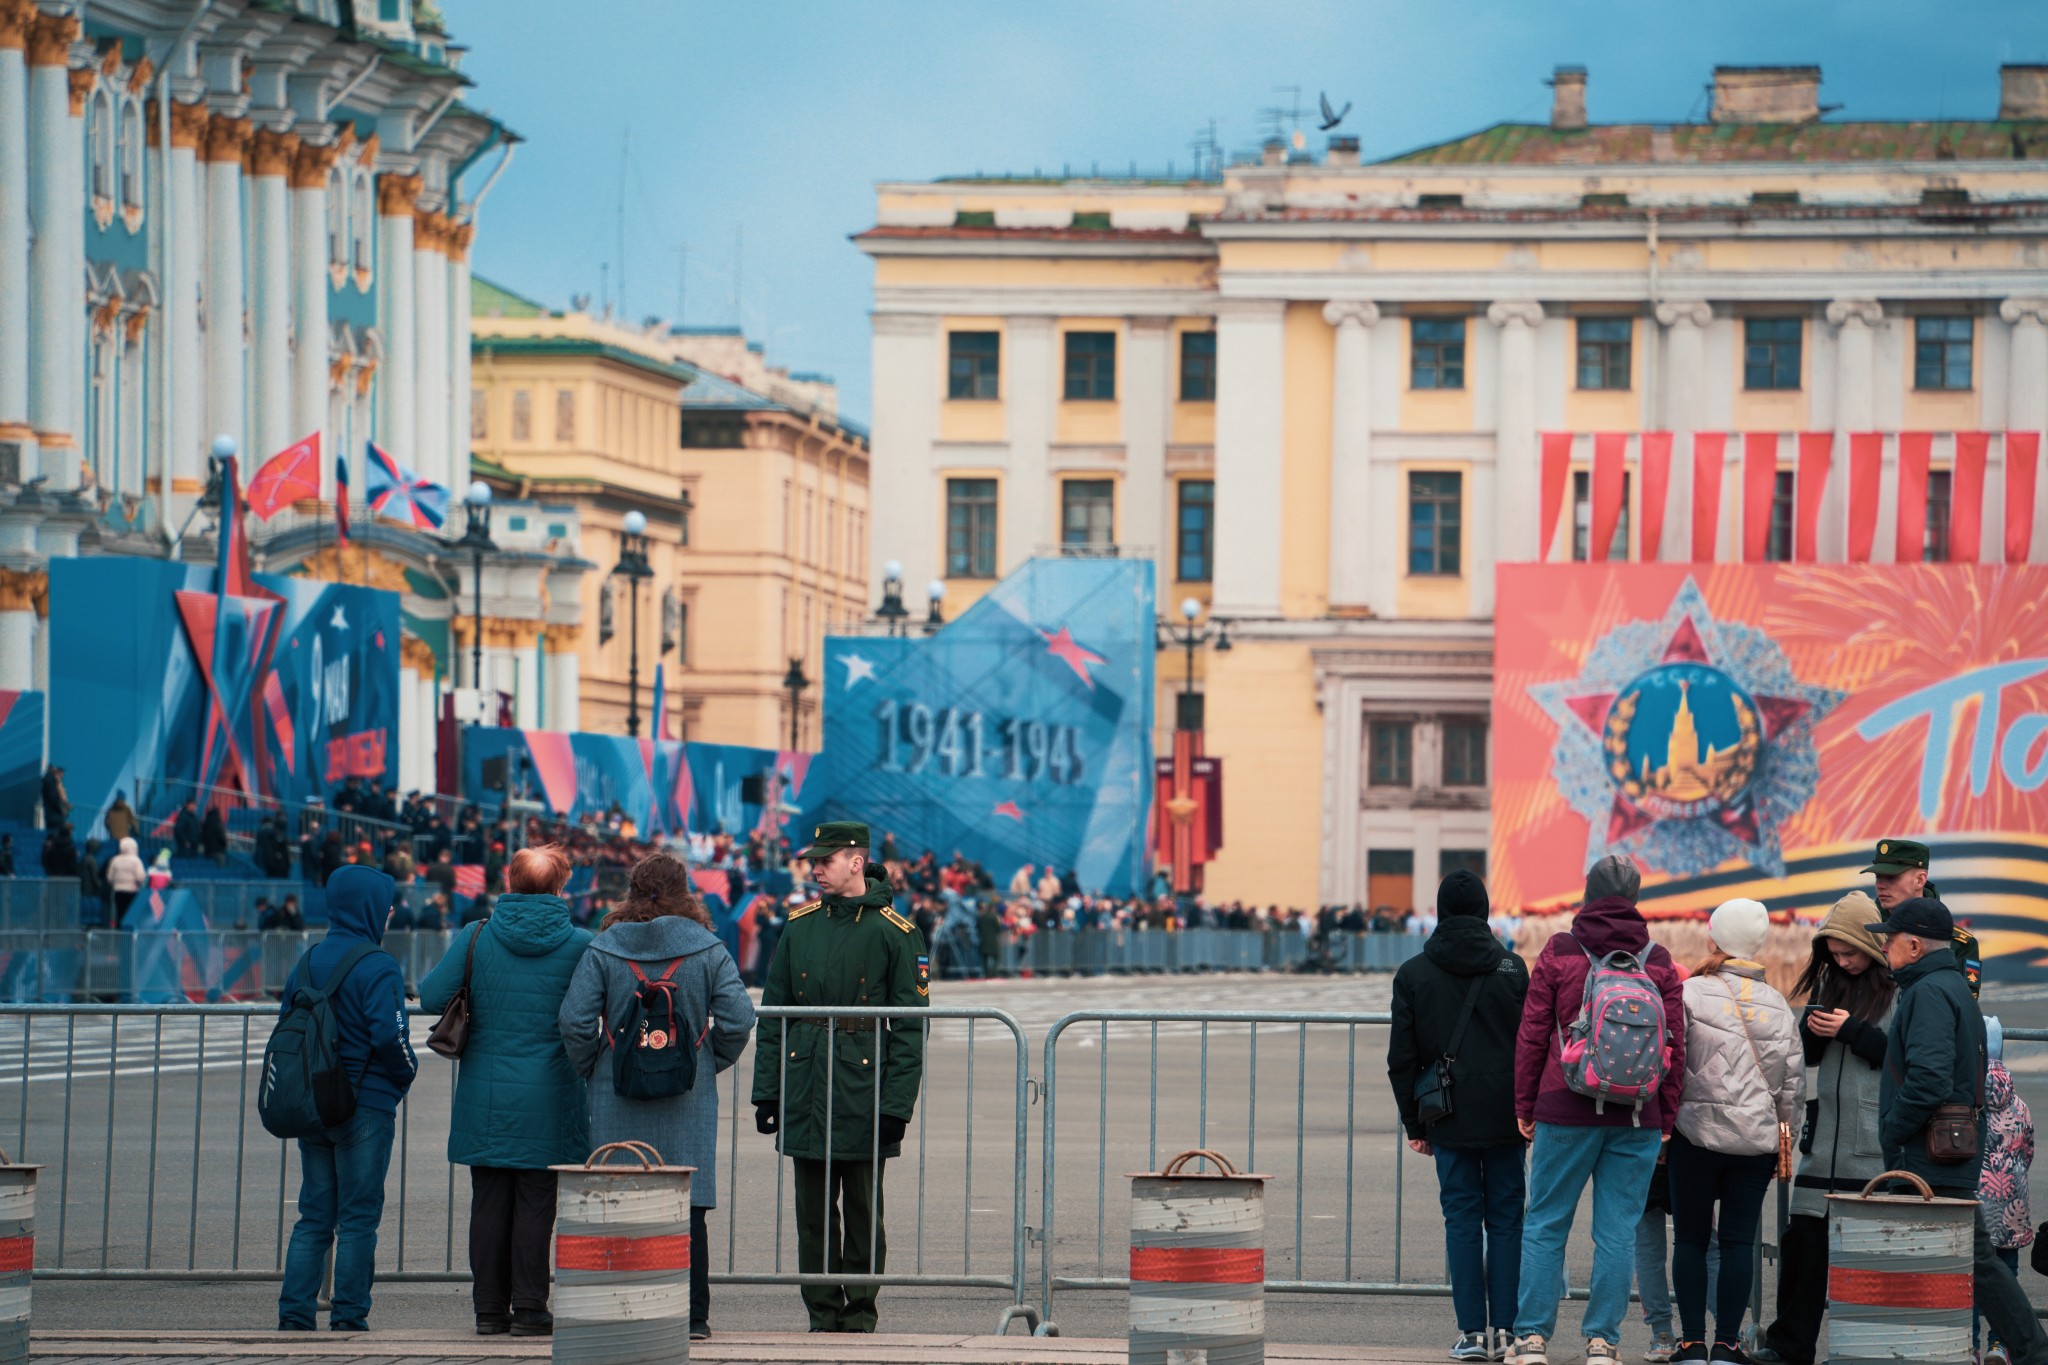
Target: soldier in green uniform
x,y
1900,866
837,1126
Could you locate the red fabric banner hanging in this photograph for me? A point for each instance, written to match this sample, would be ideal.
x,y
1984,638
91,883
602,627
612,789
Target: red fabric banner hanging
x,y
1966,498
1759,481
1654,461
1609,487
1816,455
1866,469
1557,463
1709,449
2022,450
1912,527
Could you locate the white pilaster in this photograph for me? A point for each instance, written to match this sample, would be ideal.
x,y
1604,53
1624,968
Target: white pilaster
x,y
564,692
1148,405
1031,387
907,508
1855,381
427,736
398,317
185,455
56,294
1351,453
2027,395
409,765
309,308
270,352
525,670
430,326
1685,353
14,230
458,362
17,649
225,341
1515,461
1250,379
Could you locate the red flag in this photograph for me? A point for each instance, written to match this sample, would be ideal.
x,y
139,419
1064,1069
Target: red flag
x,y
1557,462
1912,528
1609,485
1655,460
1709,448
1866,468
1966,498
285,477
1816,454
2022,450
341,497
1759,482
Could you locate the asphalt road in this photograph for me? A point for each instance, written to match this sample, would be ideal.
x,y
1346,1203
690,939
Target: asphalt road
x,y
1306,1104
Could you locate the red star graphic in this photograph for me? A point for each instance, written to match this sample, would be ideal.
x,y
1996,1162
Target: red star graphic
x,y
1010,809
1060,644
379,639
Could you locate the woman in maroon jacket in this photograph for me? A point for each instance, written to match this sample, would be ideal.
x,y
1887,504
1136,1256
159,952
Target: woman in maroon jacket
x,y
1573,1139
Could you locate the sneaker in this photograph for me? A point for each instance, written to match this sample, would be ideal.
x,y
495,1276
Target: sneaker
x,y
1500,1342
1528,1350
1662,1347
532,1322
1472,1346
1727,1354
493,1324
1600,1351
1996,1354
1689,1350
700,1331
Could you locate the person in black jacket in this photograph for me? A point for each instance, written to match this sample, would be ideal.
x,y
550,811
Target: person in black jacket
x,y
1477,1146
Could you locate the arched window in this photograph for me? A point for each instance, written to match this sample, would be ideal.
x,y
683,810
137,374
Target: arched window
x,y
337,222
131,143
363,221
101,166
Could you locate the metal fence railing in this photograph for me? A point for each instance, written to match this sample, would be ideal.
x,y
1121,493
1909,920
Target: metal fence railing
x,y
1137,952
211,965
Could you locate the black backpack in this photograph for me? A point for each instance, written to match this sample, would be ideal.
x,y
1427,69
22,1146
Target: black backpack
x,y
654,1054
305,1090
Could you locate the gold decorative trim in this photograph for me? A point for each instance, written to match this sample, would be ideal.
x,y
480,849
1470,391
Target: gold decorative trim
x,y
15,18
25,590
50,37
82,82
500,632
396,194
354,563
418,655
310,165
271,153
188,124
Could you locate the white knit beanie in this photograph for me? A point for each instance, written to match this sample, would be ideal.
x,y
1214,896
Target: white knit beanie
x,y
1739,928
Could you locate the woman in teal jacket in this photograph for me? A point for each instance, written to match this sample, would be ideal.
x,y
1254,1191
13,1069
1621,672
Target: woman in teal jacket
x,y
519,1105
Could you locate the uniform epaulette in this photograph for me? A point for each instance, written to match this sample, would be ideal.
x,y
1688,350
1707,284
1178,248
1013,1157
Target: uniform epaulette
x,y
890,914
801,911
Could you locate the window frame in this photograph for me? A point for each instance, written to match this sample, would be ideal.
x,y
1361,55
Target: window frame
x,y
1089,368
1100,499
1438,524
1936,543
1197,370
1466,725
1943,354
1779,540
1582,518
1393,767
1442,358
1771,368
1205,534
1608,353
983,371
972,505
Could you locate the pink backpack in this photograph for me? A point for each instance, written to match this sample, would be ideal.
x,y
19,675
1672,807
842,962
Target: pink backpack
x,y
1615,1048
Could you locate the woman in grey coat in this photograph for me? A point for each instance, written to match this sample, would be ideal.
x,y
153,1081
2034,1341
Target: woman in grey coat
x,y
660,923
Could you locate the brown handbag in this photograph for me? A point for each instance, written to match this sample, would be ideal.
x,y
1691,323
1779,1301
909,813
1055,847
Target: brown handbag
x,y
450,1034
1952,1135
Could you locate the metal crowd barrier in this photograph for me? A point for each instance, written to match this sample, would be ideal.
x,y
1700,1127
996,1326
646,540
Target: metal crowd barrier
x,y
210,965
1106,952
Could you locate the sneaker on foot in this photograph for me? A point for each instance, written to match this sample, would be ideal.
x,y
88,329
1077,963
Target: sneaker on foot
x,y
1996,1354
1472,1346
1662,1347
700,1331
1727,1353
1689,1350
1600,1351
1528,1350
493,1324
1500,1342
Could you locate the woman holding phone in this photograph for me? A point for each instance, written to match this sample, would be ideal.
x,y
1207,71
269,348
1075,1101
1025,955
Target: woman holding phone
x,y
1849,997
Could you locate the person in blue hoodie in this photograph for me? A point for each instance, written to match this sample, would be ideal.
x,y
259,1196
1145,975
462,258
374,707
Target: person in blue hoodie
x,y
341,1182
519,1104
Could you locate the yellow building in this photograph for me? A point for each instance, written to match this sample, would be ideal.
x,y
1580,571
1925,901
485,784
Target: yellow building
x,y
756,505
1312,390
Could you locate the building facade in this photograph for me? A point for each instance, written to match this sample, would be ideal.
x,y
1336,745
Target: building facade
x,y
1318,394
756,505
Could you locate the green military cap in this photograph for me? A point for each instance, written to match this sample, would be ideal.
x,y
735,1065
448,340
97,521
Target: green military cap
x,y
1894,856
834,835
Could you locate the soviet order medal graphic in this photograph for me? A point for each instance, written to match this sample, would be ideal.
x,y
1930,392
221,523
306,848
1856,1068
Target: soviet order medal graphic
x,y
1686,742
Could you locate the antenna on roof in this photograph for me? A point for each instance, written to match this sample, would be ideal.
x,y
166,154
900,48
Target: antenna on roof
x,y
1208,153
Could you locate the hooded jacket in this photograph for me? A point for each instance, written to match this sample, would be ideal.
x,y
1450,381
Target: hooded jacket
x,y
1839,1142
1743,1068
710,1001
1935,1055
518,1102
2009,1152
126,872
1429,995
369,1007
1557,988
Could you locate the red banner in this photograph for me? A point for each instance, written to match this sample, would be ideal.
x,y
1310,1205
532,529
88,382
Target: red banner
x,y
1709,451
1655,462
2022,451
1557,463
1810,485
1759,482
1866,472
1914,447
1966,498
1610,490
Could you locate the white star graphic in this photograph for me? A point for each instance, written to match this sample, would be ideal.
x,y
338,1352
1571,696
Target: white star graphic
x,y
857,669
339,622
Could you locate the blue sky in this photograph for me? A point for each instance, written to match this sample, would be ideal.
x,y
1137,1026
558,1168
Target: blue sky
x,y
753,132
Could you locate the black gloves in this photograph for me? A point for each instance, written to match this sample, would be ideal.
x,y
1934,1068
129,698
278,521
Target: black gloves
x,y
767,1117
892,1129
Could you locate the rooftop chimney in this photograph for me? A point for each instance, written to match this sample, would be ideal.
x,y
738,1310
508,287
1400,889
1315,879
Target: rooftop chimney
x,y
1766,94
1343,150
2022,91
1568,98
1273,152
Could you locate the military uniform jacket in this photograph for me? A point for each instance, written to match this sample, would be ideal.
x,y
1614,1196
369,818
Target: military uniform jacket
x,y
857,953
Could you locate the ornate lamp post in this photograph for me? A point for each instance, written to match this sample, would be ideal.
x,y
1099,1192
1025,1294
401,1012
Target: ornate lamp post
x,y
633,566
934,618
1188,709
476,538
1183,807
892,612
795,682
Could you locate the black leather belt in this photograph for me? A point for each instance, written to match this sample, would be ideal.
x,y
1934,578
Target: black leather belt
x,y
837,1025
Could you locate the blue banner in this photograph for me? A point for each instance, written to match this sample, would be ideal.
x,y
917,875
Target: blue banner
x,y
21,754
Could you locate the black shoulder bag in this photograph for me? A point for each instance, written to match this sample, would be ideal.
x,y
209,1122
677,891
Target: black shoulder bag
x,y
1433,1086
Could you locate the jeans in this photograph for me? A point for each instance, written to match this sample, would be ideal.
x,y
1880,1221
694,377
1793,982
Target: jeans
x,y
1481,1189
1562,1159
341,1202
511,1232
2011,1257
1701,1179
1652,1287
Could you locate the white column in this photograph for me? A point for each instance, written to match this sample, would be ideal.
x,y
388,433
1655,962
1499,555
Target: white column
x,y
270,275
1351,452
430,327
225,338
1685,354
1030,381
1148,406
2027,395
427,736
564,692
19,590
526,686
309,306
409,767
458,360
398,316
1855,378
906,501
186,446
56,293
1516,479
14,226
1250,373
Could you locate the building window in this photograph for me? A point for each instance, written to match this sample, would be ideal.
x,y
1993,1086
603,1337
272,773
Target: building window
x,y
1195,548
1779,548
362,209
974,364
1393,753
1088,512
1091,365
970,528
1390,880
1582,519
565,417
133,139
479,415
1471,860
1604,346
1934,548
522,415
1433,508
1197,367
1770,353
1464,753
1941,352
337,219
99,135
1436,353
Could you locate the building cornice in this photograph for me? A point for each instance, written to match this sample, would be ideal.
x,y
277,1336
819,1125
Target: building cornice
x,y
1012,242
1621,286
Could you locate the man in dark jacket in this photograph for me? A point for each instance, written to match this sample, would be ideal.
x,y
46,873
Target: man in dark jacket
x,y
1936,1056
341,1188
56,804
185,830
1461,1002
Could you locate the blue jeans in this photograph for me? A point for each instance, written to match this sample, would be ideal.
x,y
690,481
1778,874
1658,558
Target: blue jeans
x,y
1481,1189
341,1202
1651,1284
1619,1162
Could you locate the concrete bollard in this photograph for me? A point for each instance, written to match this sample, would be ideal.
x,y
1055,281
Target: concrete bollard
x,y
1198,1265
17,1257
622,1260
1899,1276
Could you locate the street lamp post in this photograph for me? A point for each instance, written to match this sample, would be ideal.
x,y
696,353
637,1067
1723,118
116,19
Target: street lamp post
x,y
795,682
934,617
634,567
892,612
1188,711
1182,807
476,538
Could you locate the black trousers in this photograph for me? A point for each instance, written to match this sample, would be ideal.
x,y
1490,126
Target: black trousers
x,y
839,1231
511,1230
1802,1289
700,1267
1701,1179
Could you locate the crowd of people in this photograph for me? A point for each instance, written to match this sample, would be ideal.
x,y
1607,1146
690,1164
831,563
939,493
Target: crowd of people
x,y
1681,1092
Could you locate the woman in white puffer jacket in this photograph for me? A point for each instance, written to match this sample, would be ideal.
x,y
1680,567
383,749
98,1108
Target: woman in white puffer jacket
x,y
1743,1076
125,877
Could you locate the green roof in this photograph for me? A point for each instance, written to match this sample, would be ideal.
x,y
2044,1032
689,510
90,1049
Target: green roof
x,y
1539,144
580,346
488,300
